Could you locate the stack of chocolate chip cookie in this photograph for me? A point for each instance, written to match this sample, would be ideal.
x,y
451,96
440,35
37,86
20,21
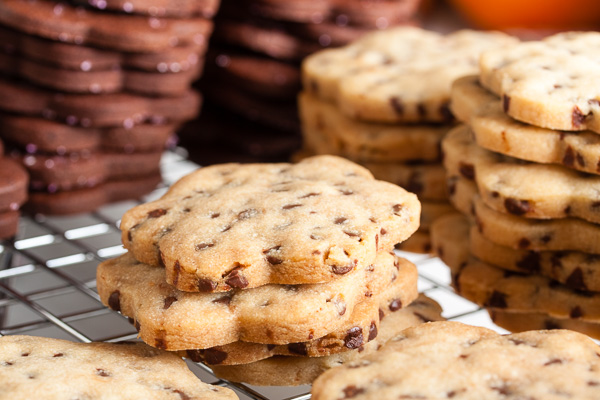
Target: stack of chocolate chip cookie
x,y
383,102
13,193
92,93
525,172
240,263
253,64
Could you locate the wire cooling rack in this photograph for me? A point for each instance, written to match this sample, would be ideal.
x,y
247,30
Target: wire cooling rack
x,y
48,287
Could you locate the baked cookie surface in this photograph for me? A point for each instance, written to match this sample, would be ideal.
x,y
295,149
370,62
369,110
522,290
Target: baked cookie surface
x,y
243,226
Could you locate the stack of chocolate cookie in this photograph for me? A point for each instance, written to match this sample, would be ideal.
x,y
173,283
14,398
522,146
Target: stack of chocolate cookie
x,y
92,94
13,193
383,102
253,65
239,263
525,172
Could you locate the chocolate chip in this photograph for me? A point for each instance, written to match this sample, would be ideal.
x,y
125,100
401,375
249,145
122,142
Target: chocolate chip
x,y
251,212
395,305
58,355
24,354
397,208
159,212
312,194
298,348
342,269
114,300
290,206
352,391
130,232
168,301
354,338
576,281
202,246
340,220
194,355
160,344
577,118
383,232
549,324
176,272
271,347
446,113
524,243
206,285
182,395
215,215
397,105
546,238
223,300
517,207
381,314
529,263
372,331
554,361
569,157
497,300
351,233
576,312
505,103
346,192
235,279
101,372
467,170
503,389
214,356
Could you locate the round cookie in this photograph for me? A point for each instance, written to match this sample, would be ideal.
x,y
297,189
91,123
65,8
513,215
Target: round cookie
x,y
66,23
292,371
242,226
397,75
516,321
468,97
530,190
361,328
158,8
549,83
270,314
453,360
493,287
125,370
327,131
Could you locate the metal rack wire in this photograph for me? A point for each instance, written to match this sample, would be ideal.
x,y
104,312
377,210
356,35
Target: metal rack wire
x,y
47,281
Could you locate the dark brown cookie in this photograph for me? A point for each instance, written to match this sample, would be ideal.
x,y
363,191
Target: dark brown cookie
x,y
261,76
89,199
105,110
13,185
110,80
63,22
38,134
85,58
157,8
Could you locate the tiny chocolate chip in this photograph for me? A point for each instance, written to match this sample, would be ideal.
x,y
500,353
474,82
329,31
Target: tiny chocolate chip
x,y
383,232
290,206
397,105
578,118
446,113
397,208
372,331
168,301
524,243
340,220
214,356
176,272
352,391
342,269
159,212
309,195
576,281
102,372
505,103
346,192
194,355
58,355
182,395
530,263
223,300
546,238
206,285
202,246
395,305
354,338
467,170
517,207
569,157
576,312
247,214
381,314
114,300
235,278
215,215
160,344
298,348
497,300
